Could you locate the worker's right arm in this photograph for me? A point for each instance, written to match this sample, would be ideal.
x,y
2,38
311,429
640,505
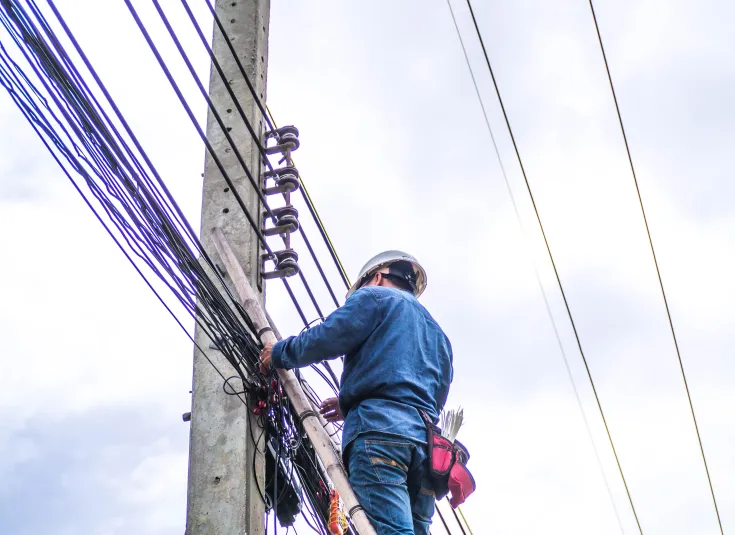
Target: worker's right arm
x,y
341,333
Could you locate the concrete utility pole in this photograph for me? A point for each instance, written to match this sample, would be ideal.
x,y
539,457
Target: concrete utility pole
x,y
223,498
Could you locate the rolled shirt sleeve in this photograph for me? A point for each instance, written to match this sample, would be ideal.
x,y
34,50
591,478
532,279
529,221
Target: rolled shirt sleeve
x,y
341,333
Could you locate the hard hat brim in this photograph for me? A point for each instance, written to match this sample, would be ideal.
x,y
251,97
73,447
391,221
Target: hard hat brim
x,y
384,259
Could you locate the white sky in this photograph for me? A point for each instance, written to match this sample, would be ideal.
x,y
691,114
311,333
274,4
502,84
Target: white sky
x,y
95,375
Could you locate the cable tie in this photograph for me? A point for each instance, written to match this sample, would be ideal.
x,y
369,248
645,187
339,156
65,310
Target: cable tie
x,y
262,331
355,509
306,414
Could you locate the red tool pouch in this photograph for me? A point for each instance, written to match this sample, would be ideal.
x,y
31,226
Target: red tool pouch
x,y
448,465
461,482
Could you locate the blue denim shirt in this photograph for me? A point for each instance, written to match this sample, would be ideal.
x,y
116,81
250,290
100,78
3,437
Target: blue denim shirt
x,y
397,360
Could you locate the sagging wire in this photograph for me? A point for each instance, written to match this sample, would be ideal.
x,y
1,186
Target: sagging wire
x,y
233,145
86,200
536,271
454,513
148,243
150,226
218,118
553,264
268,118
461,513
241,203
223,127
444,522
658,270
255,137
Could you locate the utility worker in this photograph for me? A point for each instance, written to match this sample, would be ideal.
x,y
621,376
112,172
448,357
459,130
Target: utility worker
x,y
397,361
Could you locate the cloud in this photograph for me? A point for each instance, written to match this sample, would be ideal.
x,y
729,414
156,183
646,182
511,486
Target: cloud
x,y
26,176
395,153
105,472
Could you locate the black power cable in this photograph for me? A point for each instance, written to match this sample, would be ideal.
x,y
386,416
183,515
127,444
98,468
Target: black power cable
x,y
444,522
96,152
240,66
553,264
223,127
99,218
131,202
272,126
456,517
254,225
234,148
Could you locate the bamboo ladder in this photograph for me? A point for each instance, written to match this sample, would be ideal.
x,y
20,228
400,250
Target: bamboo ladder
x,y
310,418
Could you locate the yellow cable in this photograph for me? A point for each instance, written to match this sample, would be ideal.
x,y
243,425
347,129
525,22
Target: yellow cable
x,y
316,213
465,520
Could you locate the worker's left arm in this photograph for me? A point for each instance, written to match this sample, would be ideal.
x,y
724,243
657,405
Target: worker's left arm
x,y
341,333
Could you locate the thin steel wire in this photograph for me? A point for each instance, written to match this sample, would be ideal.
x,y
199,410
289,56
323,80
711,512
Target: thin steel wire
x,y
655,262
553,264
547,305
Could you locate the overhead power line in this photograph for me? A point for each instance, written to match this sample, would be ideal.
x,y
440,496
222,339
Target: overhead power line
x,y
268,118
241,112
233,146
456,517
320,225
84,142
127,195
187,107
553,264
535,269
655,262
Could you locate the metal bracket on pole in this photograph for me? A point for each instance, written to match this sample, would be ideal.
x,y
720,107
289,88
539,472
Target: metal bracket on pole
x,y
286,180
286,218
286,264
286,221
287,139
319,437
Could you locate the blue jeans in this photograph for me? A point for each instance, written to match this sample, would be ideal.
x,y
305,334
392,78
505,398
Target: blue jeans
x,y
389,475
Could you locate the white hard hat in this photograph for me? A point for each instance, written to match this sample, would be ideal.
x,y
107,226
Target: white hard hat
x,y
415,275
